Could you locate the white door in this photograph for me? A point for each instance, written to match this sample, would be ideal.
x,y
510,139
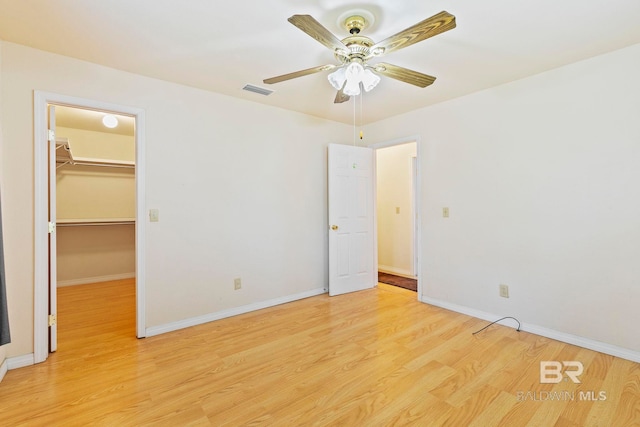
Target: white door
x,y
53,304
351,221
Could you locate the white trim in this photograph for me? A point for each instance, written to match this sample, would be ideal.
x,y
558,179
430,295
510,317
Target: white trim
x,y
414,216
3,369
397,271
418,214
141,251
95,279
20,361
374,179
193,321
41,309
398,141
40,226
590,344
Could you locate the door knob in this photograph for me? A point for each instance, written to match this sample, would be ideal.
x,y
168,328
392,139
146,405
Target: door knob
x,y
334,227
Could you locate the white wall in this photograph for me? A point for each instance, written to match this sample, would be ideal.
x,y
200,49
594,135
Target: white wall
x,y
240,187
95,192
95,253
541,177
394,180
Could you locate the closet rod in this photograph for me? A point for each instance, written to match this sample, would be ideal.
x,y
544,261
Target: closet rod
x,y
84,224
66,158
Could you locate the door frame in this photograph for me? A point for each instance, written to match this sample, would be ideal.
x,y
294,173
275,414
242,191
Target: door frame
x,y
41,177
416,215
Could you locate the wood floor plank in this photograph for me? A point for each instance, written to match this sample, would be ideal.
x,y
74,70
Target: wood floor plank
x,y
372,358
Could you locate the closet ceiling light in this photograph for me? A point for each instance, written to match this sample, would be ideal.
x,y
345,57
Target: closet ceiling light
x,y
110,121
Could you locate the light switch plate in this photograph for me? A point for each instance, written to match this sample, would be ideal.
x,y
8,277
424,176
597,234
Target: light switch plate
x,y
504,291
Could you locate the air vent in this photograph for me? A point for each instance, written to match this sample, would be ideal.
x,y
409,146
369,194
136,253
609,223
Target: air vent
x,y
256,89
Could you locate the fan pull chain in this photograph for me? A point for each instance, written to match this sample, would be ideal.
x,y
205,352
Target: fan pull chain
x,y
361,96
354,123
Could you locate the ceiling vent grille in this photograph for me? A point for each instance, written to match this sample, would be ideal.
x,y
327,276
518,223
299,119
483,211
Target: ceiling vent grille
x,y
256,89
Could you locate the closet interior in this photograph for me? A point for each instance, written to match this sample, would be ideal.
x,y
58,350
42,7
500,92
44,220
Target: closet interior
x,y
95,197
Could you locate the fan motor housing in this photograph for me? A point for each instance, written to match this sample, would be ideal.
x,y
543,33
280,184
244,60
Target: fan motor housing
x,y
359,48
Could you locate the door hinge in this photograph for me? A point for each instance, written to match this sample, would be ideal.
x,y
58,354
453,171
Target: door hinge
x,y
52,135
53,320
52,227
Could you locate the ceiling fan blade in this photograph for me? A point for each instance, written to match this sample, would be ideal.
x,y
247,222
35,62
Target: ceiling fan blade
x,y
430,27
309,25
404,74
341,97
300,73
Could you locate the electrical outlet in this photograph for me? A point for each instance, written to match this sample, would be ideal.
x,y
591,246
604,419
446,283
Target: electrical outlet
x,y
237,283
504,291
445,212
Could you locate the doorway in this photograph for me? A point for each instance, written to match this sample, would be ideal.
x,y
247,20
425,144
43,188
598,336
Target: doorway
x,y
52,150
94,190
397,213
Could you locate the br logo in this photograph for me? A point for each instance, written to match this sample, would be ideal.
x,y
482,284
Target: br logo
x,y
551,371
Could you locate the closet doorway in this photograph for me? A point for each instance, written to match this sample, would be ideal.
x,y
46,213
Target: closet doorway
x,y
89,181
95,210
397,213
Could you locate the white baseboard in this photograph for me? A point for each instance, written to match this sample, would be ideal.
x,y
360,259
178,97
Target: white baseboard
x,y
95,279
393,270
181,324
590,344
20,361
3,369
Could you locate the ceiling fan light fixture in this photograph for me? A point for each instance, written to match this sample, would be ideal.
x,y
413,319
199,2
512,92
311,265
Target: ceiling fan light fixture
x,y
369,80
350,78
337,78
352,88
355,50
354,71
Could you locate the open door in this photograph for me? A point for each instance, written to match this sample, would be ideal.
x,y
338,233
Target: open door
x,y
53,328
45,271
351,208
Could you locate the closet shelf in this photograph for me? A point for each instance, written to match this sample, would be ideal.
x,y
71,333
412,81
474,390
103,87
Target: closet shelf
x,y
64,156
94,221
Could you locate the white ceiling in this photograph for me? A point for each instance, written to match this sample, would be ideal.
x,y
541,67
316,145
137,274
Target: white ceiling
x,y
222,45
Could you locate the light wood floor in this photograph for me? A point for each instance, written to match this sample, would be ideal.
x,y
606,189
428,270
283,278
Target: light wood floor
x,y
373,358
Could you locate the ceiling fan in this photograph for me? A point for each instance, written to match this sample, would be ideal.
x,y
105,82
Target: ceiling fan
x,y
356,50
